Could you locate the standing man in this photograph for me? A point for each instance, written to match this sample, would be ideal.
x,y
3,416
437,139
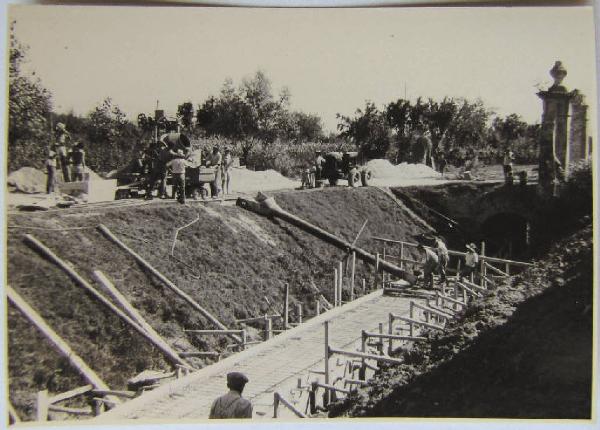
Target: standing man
x,y
319,161
471,261
63,139
215,160
51,171
177,166
232,404
78,159
226,171
442,253
430,265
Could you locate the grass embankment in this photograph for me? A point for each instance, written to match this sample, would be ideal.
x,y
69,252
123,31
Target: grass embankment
x,y
228,262
523,351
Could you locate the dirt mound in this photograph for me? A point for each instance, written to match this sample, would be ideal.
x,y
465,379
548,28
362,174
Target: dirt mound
x,y
383,169
523,351
244,180
28,180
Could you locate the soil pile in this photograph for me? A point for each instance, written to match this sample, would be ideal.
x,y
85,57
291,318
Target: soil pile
x,y
523,351
228,262
243,180
383,169
28,180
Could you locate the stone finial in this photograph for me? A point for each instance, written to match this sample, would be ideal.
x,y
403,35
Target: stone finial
x,y
558,73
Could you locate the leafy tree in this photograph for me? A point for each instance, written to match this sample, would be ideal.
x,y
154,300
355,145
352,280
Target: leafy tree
x,y
509,129
29,107
368,130
185,114
112,137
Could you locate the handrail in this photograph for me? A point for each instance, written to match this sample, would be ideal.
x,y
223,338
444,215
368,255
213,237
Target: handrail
x,y
279,398
458,253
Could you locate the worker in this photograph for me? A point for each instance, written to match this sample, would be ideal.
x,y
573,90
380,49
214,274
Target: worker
x,y
215,160
77,158
507,163
430,265
226,171
63,140
319,162
232,404
471,261
442,253
177,166
51,171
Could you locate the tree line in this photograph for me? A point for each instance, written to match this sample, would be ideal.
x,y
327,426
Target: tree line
x,y
261,128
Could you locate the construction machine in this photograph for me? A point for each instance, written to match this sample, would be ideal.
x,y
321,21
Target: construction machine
x,y
345,165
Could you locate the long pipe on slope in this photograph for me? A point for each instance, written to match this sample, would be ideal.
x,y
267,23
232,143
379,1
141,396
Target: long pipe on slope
x,y
265,205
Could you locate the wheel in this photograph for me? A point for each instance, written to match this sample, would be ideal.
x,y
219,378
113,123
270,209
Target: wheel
x,y
333,181
354,178
366,177
121,194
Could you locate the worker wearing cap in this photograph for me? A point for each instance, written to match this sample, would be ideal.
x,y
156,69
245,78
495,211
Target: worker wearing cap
x,y
471,261
51,170
215,160
177,166
319,161
232,404
430,265
77,157
442,253
63,139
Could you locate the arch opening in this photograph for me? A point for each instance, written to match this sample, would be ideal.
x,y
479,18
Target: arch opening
x,y
507,235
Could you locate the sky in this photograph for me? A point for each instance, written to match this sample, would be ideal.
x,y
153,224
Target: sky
x,y
332,61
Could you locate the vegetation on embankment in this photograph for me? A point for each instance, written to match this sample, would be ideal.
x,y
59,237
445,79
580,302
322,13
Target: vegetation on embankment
x,y
228,262
522,351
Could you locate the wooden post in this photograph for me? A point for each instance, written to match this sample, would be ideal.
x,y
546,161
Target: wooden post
x,y
380,345
326,325
383,274
163,279
318,306
286,307
135,315
390,325
42,406
88,374
341,282
275,404
482,270
364,286
299,309
363,349
376,269
402,255
507,269
268,327
335,287
410,310
244,339
352,274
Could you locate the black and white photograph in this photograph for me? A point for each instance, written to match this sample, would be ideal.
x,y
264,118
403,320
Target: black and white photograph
x,y
336,214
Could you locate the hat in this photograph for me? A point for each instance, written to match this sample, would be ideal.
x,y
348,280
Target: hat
x,y
236,380
471,247
180,152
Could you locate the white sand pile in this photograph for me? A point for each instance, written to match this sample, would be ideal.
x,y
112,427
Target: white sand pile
x,y
28,180
243,180
384,169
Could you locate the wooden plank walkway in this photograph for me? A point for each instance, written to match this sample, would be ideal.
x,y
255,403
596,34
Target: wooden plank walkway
x,y
271,366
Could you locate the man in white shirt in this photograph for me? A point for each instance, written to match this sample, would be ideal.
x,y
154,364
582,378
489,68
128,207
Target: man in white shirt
x,y
430,265
442,253
177,166
471,261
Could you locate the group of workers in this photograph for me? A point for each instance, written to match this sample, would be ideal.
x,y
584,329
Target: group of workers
x,y
171,153
65,155
311,175
435,261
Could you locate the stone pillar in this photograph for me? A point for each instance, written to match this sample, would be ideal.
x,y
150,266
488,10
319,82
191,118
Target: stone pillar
x,y
553,143
578,132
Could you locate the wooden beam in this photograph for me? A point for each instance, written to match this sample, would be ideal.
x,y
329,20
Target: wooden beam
x,y
332,387
69,394
73,411
200,354
365,355
157,340
118,393
394,336
88,287
277,398
417,322
253,319
62,346
163,279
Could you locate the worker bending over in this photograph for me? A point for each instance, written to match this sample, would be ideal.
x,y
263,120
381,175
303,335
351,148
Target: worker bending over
x,y
430,265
